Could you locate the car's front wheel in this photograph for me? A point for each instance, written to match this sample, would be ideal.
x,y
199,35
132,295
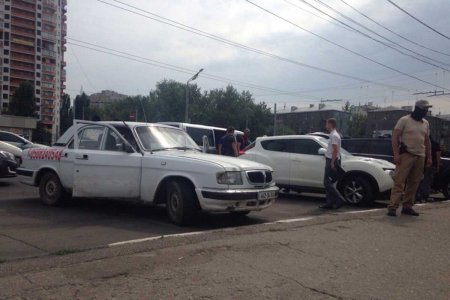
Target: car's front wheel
x,y
357,190
51,190
181,202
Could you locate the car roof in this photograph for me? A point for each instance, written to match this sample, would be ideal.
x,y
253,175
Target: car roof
x,y
288,137
197,126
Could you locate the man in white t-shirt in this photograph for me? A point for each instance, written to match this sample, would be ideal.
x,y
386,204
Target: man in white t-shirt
x,y
332,163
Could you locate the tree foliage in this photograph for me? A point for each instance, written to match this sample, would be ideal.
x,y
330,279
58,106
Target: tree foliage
x,y
219,107
357,125
82,107
23,102
65,114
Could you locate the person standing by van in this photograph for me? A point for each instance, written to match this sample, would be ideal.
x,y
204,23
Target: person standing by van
x,y
411,146
228,143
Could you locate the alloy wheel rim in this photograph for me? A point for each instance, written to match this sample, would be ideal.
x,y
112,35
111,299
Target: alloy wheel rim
x,y
354,192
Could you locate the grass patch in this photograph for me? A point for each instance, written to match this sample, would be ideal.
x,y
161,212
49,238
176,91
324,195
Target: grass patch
x,y
66,251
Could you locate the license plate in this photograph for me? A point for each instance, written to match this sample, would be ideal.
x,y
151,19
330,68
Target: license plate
x,y
267,195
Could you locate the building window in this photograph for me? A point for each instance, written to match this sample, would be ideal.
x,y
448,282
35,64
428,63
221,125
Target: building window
x,y
5,69
5,78
5,87
39,24
39,6
6,60
6,35
5,96
6,16
38,74
7,7
6,25
38,57
6,52
38,92
39,15
6,43
38,83
38,32
38,66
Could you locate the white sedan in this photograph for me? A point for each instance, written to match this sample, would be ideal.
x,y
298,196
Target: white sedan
x,y
298,162
152,163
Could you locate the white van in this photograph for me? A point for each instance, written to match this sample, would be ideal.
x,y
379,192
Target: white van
x,y
205,136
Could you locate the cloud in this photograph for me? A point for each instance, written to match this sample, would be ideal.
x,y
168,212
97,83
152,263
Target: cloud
x,y
237,20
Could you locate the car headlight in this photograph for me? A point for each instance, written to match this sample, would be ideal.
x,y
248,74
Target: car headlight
x,y
230,178
7,155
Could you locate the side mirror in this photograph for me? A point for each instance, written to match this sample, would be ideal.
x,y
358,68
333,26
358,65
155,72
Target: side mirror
x,y
127,148
322,151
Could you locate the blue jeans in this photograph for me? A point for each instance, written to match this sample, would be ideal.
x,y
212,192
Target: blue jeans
x,y
333,195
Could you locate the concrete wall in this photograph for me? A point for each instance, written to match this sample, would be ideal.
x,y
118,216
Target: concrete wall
x,y
19,125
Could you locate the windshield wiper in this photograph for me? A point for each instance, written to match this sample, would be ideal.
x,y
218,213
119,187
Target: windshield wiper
x,y
176,148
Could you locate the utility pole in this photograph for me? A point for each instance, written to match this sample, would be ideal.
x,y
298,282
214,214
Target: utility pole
x,y
275,119
186,108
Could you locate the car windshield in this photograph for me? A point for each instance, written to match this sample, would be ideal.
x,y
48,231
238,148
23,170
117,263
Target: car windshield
x,y
155,138
324,143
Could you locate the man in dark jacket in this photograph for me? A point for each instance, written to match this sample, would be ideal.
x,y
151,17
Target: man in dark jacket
x,y
228,143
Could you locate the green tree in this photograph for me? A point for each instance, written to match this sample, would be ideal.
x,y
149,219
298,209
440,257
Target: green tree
x,y
65,114
82,107
23,102
357,125
42,134
347,107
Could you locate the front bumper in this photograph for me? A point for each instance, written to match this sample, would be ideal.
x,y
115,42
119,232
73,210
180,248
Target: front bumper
x,y
8,168
216,200
26,176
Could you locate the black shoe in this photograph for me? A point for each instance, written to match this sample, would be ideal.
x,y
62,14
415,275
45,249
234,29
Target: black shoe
x,y
326,206
409,211
392,213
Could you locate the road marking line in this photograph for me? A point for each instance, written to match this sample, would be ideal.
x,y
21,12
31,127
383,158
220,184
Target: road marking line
x,y
152,238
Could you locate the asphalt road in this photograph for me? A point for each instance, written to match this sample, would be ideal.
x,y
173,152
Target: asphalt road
x,y
29,229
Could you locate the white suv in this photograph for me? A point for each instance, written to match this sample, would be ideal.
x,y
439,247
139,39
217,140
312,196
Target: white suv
x,y
298,162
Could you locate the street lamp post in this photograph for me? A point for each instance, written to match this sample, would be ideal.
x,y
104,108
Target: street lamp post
x,y
186,108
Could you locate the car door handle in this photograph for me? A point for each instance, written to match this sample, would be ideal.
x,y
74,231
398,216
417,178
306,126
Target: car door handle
x,y
82,156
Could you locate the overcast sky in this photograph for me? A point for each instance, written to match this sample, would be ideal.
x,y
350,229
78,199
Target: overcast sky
x,y
281,82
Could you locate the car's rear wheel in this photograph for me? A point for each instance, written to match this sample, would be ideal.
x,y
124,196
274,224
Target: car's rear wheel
x,y
181,202
357,191
446,189
51,190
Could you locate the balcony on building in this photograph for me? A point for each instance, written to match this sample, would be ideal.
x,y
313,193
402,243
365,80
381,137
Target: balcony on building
x,y
22,75
22,67
25,5
22,23
49,18
48,53
23,14
22,57
50,4
48,36
22,49
23,32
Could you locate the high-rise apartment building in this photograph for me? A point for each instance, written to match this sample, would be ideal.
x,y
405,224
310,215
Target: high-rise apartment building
x,y
32,43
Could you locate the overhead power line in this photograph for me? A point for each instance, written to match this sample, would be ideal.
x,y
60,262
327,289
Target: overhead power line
x,y
193,30
82,69
391,31
385,38
342,47
175,68
421,22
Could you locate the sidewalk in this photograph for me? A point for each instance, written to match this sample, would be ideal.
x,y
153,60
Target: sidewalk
x,y
352,256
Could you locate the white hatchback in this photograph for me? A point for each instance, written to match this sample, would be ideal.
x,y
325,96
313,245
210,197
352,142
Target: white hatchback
x,y
298,162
